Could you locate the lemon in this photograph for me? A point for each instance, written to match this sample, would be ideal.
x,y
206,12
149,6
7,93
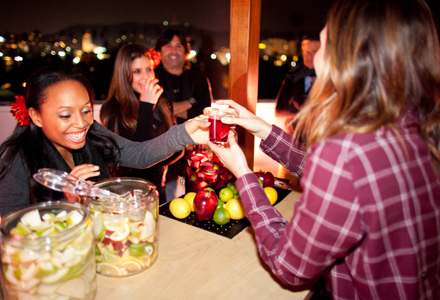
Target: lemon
x,y
108,269
221,216
190,198
271,194
235,209
180,208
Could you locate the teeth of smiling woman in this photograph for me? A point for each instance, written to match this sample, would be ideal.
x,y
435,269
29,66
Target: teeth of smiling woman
x,y
76,136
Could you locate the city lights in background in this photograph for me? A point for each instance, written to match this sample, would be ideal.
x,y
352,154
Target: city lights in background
x,y
278,51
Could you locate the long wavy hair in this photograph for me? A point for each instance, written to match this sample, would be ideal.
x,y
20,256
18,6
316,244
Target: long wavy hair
x,y
122,104
30,141
381,56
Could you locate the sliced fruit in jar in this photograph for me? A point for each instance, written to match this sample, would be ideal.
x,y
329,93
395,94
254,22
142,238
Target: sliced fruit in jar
x,y
81,245
106,268
112,258
131,266
74,288
137,249
149,226
98,225
121,233
149,249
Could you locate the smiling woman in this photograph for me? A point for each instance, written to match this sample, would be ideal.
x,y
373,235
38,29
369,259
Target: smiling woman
x,y
65,117
61,134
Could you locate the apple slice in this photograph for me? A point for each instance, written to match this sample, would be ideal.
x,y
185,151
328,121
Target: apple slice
x,y
32,219
74,288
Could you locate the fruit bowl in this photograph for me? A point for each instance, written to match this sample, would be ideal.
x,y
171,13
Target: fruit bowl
x,y
204,169
230,230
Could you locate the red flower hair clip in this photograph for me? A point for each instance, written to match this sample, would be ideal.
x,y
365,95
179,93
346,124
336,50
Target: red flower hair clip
x,y
20,112
155,57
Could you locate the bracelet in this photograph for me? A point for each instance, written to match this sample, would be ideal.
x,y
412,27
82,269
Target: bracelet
x,y
192,101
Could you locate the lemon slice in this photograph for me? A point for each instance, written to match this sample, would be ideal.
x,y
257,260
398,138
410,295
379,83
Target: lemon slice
x,y
112,258
81,245
113,224
108,269
131,266
121,233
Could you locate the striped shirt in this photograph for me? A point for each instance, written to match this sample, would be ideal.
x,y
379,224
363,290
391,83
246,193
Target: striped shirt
x,y
368,219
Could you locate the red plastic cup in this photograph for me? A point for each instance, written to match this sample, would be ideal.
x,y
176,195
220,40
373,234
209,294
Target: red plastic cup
x,y
218,131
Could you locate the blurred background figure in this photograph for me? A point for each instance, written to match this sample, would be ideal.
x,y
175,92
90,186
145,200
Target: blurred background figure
x,y
296,85
189,92
294,90
135,109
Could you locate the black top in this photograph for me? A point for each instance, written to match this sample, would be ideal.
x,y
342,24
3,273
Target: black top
x,y
190,84
292,94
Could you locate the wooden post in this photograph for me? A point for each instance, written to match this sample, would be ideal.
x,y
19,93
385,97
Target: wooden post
x,y
243,67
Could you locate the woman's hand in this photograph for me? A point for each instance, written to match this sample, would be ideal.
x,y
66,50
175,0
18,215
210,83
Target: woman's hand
x,y
247,120
151,91
85,171
233,157
198,129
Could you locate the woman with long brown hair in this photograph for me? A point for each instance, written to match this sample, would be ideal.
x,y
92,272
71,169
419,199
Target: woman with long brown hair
x,y
368,220
135,109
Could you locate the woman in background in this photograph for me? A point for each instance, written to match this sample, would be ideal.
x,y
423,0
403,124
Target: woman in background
x,y
368,220
56,130
134,108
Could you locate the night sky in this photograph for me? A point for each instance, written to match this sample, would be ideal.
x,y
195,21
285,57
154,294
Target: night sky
x,y
52,16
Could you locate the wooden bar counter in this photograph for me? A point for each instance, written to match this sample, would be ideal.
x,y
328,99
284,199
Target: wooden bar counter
x,y
197,264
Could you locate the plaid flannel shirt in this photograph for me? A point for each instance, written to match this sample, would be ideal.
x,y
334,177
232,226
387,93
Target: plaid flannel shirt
x,y
368,219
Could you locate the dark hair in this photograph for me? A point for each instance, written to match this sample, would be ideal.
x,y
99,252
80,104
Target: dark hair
x,y
30,142
166,36
310,37
122,103
381,57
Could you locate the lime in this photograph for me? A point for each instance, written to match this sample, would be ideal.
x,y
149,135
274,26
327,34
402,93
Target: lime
x,y
108,269
232,187
190,198
137,249
220,203
180,208
226,194
235,209
271,194
221,216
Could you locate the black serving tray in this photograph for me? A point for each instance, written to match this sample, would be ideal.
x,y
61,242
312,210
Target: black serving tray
x,y
229,230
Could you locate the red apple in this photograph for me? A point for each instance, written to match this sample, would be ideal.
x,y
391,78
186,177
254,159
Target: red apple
x,y
205,203
266,178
